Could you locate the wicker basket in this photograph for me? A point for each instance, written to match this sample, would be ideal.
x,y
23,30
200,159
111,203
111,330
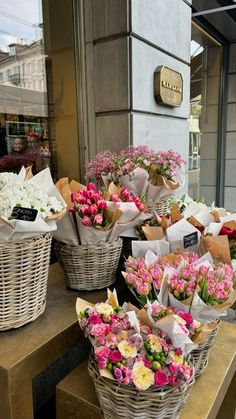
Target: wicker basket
x,y
125,401
23,280
160,207
201,354
89,267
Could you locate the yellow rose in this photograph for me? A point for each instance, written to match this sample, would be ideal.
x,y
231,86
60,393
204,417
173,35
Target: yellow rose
x,y
155,342
177,359
143,377
123,335
103,308
127,350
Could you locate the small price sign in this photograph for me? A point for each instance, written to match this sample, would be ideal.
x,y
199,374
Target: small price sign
x,y
24,214
190,239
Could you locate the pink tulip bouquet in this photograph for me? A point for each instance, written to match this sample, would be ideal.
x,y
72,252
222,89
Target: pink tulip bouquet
x,y
145,280
132,354
204,288
104,215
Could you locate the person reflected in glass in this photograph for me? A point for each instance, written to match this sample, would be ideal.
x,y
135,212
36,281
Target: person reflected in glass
x,y
18,146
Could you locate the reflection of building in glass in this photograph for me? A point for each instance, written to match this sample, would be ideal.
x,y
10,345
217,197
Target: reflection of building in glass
x,y
24,66
23,107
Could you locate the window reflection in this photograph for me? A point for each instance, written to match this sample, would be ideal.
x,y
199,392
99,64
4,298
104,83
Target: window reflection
x,y
23,97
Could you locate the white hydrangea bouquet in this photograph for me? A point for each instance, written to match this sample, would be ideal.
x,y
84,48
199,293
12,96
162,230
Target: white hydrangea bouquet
x,y
19,194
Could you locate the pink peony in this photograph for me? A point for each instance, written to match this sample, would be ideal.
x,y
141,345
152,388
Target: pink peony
x,y
161,379
86,221
100,329
102,352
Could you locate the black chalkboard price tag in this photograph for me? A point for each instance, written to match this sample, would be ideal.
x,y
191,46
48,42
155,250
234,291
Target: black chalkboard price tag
x,y
24,214
190,239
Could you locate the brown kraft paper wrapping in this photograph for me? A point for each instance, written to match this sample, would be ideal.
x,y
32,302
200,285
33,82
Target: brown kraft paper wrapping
x,y
218,246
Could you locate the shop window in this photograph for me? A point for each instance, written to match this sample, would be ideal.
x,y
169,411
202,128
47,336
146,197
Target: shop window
x,y
24,133
203,122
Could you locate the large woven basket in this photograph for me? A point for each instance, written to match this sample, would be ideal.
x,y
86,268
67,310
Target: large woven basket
x,y
23,280
89,267
160,207
201,354
125,401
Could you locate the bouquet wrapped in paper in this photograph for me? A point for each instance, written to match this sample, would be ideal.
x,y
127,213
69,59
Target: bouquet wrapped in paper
x,y
29,204
144,172
180,326
204,288
144,275
103,216
129,350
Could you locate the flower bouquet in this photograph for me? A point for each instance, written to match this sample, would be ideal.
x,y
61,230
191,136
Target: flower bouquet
x,y
29,210
185,332
28,207
142,171
99,218
135,368
144,276
203,287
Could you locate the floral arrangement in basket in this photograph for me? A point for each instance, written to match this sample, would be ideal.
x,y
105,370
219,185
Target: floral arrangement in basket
x,y
130,351
145,172
99,216
184,281
29,204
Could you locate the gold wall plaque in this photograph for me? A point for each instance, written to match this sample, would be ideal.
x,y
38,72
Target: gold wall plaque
x,y
168,86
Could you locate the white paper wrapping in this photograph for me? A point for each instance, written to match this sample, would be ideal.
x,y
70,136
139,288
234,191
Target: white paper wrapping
x,y
89,235
199,310
156,193
136,182
140,248
179,339
175,235
18,229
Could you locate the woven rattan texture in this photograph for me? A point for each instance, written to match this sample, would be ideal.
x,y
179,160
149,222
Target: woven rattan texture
x,y
89,267
160,207
201,354
23,280
124,401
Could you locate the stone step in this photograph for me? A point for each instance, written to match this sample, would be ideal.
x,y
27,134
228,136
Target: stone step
x,y
76,397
